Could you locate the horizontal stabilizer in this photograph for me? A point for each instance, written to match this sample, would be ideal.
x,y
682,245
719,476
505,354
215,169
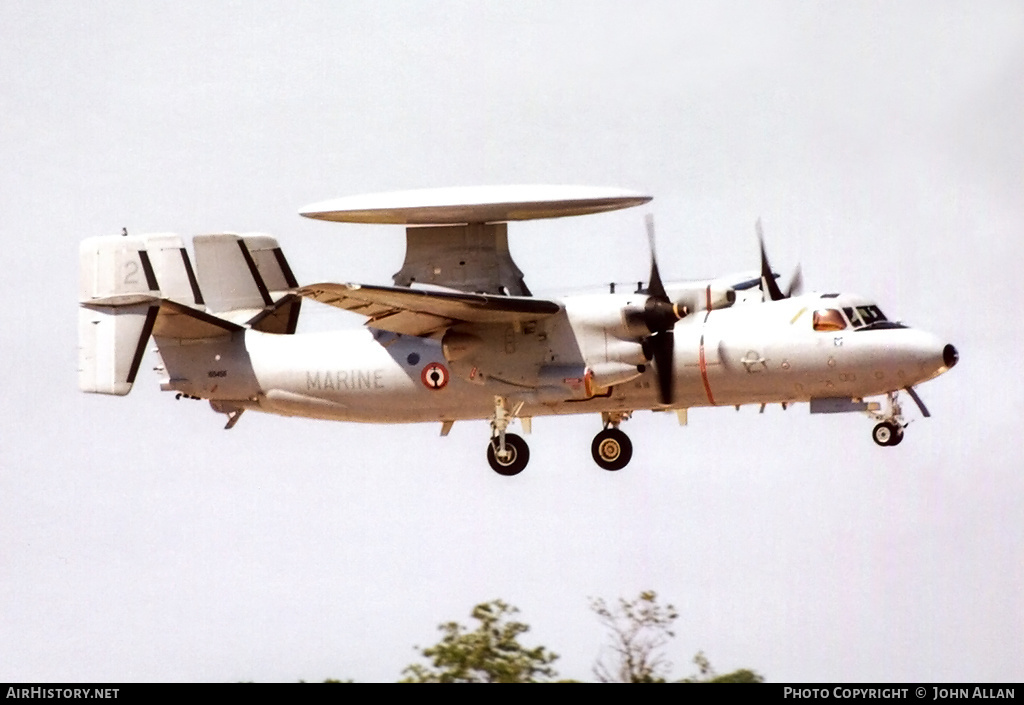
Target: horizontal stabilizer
x,y
423,313
185,323
281,317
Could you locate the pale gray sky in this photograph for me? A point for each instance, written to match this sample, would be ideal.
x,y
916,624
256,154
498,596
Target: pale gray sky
x,y
882,145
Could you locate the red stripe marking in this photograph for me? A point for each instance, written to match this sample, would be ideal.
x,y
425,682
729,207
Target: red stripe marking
x,y
704,368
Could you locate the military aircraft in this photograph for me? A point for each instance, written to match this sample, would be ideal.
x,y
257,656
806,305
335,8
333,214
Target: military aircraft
x,y
459,336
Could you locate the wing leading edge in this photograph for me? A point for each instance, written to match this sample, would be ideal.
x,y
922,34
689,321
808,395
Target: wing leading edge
x,y
424,313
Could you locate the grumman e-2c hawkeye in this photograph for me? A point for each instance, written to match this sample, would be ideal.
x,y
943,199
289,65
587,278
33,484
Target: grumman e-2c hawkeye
x,y
459,335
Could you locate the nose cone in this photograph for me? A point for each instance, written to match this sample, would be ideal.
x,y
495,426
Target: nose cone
x,y
919,355
936,358
950,356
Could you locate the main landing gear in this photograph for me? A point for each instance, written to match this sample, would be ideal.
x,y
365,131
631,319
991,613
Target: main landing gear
x,y
612,449
512,459
890,431
507,453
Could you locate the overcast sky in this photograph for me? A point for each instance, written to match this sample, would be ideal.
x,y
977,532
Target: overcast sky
x,y
882,145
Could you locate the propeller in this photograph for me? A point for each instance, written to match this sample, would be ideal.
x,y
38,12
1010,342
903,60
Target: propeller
x,y
769,286
660,316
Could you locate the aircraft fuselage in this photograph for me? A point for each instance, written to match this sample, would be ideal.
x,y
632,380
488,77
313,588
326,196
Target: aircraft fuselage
x,y
748,354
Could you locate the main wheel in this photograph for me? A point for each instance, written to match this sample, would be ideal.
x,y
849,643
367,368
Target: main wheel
x,y
612,449
517,458
887,434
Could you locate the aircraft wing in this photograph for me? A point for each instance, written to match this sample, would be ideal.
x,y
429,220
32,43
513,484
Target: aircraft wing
x,y
423,313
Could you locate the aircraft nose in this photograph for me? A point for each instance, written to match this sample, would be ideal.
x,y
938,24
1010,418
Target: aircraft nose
x,y
950,356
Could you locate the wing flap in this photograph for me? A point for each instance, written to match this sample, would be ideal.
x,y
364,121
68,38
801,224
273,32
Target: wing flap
x,y
422,313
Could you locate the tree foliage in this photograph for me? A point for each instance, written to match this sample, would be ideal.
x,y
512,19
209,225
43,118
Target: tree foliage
x,y
639,629
490,653
707,673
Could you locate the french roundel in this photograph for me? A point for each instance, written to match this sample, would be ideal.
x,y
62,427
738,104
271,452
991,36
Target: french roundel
x,y
434,376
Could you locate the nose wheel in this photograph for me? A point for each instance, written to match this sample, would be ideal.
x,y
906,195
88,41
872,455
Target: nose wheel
x,y
890,431
612,449
887,433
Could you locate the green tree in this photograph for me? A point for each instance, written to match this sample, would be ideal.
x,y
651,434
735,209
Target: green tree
x,y
490,653
708,675
639,630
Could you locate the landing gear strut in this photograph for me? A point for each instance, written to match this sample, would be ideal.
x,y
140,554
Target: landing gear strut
x,y
507,453
612,449
890,431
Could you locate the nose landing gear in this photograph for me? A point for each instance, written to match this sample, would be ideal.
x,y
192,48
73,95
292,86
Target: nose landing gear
x,y
890,431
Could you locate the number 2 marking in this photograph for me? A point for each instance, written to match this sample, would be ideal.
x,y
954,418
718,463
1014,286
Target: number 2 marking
x,y
131,271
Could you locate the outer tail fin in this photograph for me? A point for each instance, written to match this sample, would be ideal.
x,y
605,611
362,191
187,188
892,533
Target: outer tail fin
x,y
120,300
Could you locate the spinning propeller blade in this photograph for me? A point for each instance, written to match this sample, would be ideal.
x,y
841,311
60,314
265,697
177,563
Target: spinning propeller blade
x,y
656,289
660,316
769,286
663,348
796,283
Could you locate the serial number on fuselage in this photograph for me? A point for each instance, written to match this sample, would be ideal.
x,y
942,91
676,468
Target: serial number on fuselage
x,y
345,379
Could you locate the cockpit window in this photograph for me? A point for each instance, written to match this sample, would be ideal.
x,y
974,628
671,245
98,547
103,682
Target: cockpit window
x,y
871,314
867,316
829,319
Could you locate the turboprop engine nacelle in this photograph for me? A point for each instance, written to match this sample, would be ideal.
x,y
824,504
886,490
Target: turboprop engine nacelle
x,y
607,374
703,296
624,317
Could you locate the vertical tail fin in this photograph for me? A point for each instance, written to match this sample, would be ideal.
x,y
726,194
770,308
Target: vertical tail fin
x,y
120,298
173,269
246,279
283,316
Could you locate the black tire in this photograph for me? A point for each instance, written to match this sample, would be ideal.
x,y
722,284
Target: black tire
x,y
887,434
520,455
612,449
